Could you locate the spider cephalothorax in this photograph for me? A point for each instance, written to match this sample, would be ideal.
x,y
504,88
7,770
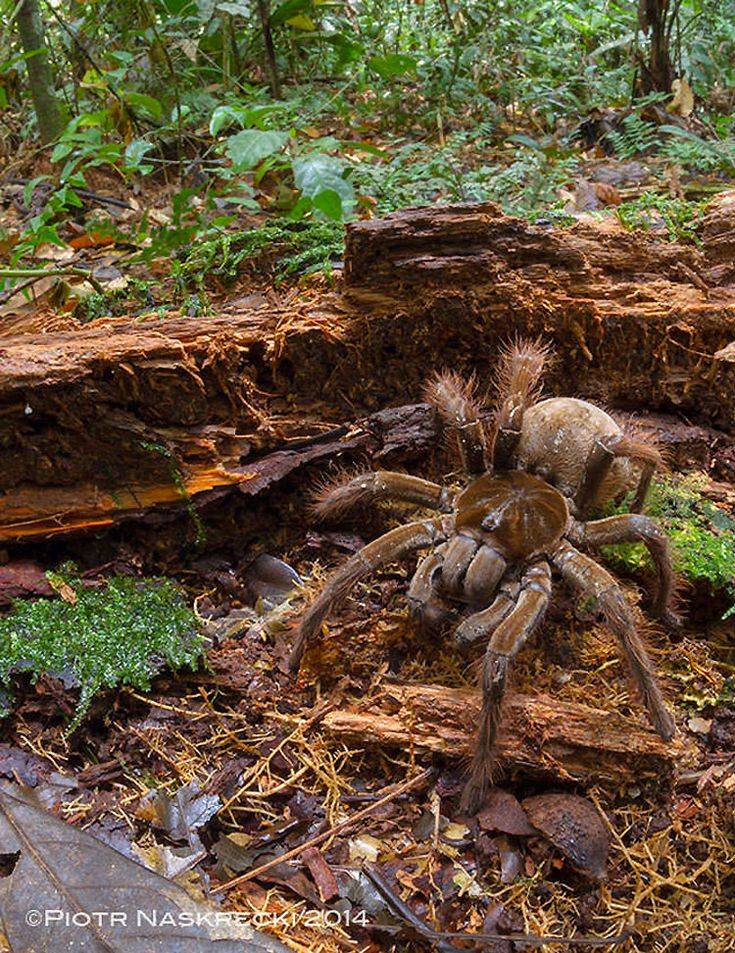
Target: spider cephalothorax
x,y
492,549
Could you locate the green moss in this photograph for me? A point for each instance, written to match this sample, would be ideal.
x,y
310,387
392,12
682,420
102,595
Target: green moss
x,y
702,535
120,635
298,248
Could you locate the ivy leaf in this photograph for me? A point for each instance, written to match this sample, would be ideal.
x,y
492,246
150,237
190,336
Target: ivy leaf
x,y
393,64
317,174
249,147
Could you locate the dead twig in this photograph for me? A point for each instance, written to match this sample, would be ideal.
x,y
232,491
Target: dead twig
x,y
409,785
440,937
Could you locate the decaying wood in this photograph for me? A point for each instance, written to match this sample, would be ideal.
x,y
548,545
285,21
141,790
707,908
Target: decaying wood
x,y
120,417
540,736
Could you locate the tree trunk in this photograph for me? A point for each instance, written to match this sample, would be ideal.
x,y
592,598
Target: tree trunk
x,y
657,72
271,66
540,736
40,76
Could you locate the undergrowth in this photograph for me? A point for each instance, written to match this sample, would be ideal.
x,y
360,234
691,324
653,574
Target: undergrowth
x,y
701,534
121,634
295,247
679,217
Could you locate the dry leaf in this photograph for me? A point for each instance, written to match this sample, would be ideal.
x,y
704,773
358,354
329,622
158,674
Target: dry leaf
x,y
365,847
683,102
66,884
574,826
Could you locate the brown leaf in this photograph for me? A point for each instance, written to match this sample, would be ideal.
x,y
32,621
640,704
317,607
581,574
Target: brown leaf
x,y
322,874
574,826
22,578
182,814
503,812
683,102
607,193
62,870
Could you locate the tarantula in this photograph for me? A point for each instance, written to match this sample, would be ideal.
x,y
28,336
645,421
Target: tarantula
x,y
534,481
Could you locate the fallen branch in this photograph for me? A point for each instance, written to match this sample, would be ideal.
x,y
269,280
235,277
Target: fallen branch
x,y
541,736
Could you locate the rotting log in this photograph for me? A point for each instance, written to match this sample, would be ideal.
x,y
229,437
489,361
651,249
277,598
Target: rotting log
x,y
540,736
122,417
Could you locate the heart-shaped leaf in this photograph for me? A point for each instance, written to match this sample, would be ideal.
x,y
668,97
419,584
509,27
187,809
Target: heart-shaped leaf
x,y
251,146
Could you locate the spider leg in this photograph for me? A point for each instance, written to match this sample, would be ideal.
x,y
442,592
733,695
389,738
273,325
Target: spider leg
x,y
460,552
336,497
481,624
588,576
456,400
483,575
518,378
423,603
386,548
601,458
506,641
636,528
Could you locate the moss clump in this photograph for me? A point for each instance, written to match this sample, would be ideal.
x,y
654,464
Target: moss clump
x,y
120,635
298,248
701,534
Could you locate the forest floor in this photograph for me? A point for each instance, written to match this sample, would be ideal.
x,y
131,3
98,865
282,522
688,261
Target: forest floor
x,y
245,753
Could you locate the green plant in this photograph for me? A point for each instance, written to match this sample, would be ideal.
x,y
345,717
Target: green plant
x,y
701,534
679,217
121,634
294,247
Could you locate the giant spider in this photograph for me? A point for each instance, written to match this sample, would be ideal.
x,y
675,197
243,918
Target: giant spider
x,y
533,484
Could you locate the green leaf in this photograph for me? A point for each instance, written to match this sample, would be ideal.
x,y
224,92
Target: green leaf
x,y
393,64
249,147
238,8
288,9
222,117
301,22
330,203
140,102
319,173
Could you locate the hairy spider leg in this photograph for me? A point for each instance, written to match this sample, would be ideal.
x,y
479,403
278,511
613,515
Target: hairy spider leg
x,y
455,397
424,605
587,576
505,642
386,548
347,491
481,624
636,528
519,374
601,458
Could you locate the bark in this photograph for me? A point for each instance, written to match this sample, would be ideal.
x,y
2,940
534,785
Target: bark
x,y
271,66
40,77
657,18
122,417
540,736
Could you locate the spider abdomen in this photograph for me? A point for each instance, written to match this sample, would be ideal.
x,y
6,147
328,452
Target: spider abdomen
x,y
518,513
